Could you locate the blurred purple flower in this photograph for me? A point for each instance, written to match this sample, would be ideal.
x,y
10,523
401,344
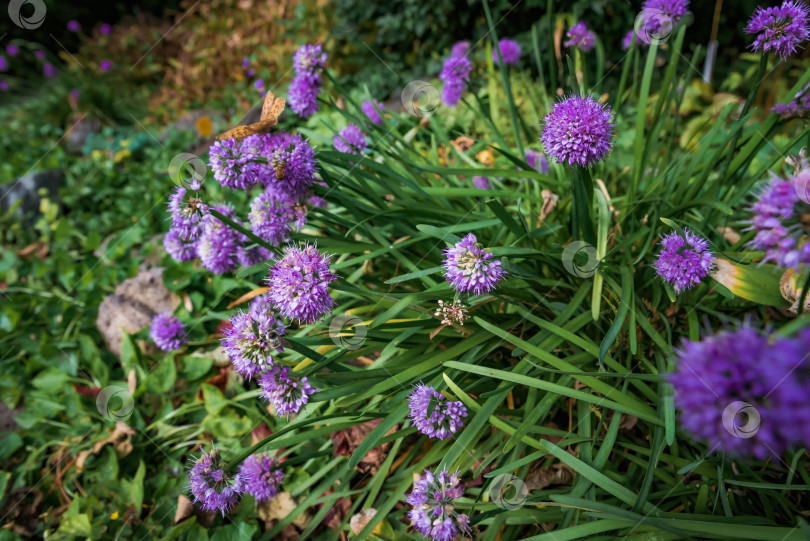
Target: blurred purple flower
x,y
105,65
167,332
49,71
12,49
580,37
74,26
105,29
510,50
350,140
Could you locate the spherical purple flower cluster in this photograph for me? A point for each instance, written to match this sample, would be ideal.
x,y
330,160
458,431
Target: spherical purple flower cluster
x,y
433,514
781,30
286,394
780,220
630,38
303,96
672,9
218,243
251,340
167,332
510,51
211,487
231,163
455,74
745,394
460,48
799,106
684,260
537,161
481,183
308,62
578,130
187,218
177,248
470,269
371,112
299,284
271,219
443,419
350,140
261,477
580,37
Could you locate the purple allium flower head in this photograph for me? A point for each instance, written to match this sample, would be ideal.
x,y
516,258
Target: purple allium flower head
x,y
537,161
167,332
778,220
481,183
628,39
303,95
105,65
105,29
371,112
439,422
684,260
286,394
186,217
259,84
736,390
455,74
580,37
510,50
309,60
73,26
290,170
261,477
12,49
211,487
299,284
251,340
49,71
350,140
40,54
460,48
470,269
671,9
781,30
249,254
271,219
231,164
578,130
799,106
216,246
433,514
177,248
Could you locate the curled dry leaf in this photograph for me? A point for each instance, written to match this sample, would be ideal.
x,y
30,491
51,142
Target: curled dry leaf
x,y
280,507
557,474
550,200
346,441
361,519
120,440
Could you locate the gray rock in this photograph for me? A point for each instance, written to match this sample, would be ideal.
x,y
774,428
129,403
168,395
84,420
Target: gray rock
x,y
79,132
27,190
131,308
